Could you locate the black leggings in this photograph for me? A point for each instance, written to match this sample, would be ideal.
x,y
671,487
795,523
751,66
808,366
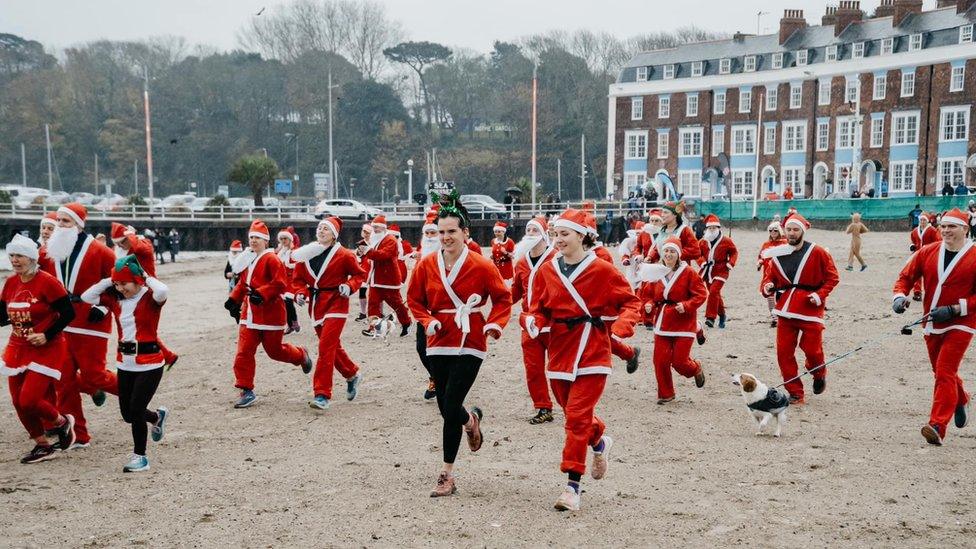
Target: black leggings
x,y
290,313
422,348
453,377
136,389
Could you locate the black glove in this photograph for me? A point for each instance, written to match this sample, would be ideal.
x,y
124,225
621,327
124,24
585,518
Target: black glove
x,y
95,314
900,304
912,248
233,308
255,298
944,313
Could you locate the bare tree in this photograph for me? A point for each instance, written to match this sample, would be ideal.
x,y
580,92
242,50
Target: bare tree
x,y
368,31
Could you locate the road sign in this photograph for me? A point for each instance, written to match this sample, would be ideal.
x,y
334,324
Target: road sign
x,y
224,190
282,186
323,182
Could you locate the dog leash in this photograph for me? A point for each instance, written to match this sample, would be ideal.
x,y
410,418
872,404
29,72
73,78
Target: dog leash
x,y
905,330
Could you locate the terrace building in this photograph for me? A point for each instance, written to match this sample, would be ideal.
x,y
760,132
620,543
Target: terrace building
x,y
883,102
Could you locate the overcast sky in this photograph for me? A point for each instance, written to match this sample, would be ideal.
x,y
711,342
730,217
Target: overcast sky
x,y
473,24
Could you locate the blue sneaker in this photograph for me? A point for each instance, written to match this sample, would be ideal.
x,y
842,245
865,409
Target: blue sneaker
x,y
352,386
157,430
319,403
137,464
98,397
246,400
721,322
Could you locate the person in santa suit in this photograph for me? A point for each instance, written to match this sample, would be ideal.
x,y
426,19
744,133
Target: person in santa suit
x,y
646,238
365,233
718,256
626,251
404,249
48,223
673,224
37,307
531,254
257,304
802,274
763,264
135,298
235,250
77,260
473,246
288,241
385,278
922,236
583,301
446,295
502,251
948,271
430,242
326,276
672,293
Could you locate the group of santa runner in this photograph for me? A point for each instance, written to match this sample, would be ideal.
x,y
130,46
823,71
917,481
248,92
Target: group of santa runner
x,y
577,308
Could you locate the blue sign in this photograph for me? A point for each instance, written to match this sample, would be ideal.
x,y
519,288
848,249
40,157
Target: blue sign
x,y
282,186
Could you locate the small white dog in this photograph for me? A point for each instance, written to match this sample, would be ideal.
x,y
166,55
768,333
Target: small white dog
x,y
764,403
383,327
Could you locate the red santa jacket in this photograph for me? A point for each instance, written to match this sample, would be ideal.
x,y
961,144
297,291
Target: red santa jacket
x,y
764,263
525,275
717,260
924,238
501,255
265,275
385,269
448,305
136,322
686,287
602,253
366,265
644,244
339,266
89,262
579,311
405,249
145,254
474,246
815,275
689,245
954,284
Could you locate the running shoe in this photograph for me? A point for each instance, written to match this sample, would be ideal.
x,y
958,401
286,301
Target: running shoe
x,y
319,403
137,464
98,397
404,329
700,336
863,267
819,385
158,428
172,361
475,437
430,392
246,399
80,446
962,412
601,460
544,415
632,364
361,317
709,322
721,322
665,400
849,268
932,435
41,452
444,487
699,376
65,433
306,361
352,386
569,500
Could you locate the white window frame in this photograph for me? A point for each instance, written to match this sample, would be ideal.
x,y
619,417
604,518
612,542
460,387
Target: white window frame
x,y
846,133
947,170
634,181
794,137
880,87
887,46
720,100
668,72
959,118
744,183
903,176
690,142
635,142
778,60
824,85
663,145
769,140
823,136
831,54
857,50
957,78
915,42
877,132
900,135
664,107
745,146
636,108
772,98
725,66
796,96
802,58
852,90
793,177
690,183
745,101
907,84
842,182
966,34
749,63
691,105
718,140
698,68
642,74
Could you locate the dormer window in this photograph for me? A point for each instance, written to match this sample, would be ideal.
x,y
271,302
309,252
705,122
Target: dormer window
x,y
642,74
887,46
725,66
749,64
668,72
857,50
801,58
831,53
777,60
697,68
915,43
966,34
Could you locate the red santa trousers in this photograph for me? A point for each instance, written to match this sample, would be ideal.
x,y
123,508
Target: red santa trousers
x,y
810,337
247,345
946,352
578,400
715,305
84,372
534,358
32,395
332,357
672,352
620,349
378,296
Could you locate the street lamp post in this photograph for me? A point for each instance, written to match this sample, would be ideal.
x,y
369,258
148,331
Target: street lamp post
x,y
410,180
383,190
352,187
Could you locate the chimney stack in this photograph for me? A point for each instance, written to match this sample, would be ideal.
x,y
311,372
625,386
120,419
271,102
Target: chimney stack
x,y
904,8
962,6
886,9
848,12
791,22
830,17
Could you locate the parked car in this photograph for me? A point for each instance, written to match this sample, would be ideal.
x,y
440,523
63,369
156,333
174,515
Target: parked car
x,y
110,203
198,204
344,208
240,203
177,201
84,199
483,206
26,197
58,198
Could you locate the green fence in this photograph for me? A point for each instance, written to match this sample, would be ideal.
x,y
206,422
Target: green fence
x,y
869,208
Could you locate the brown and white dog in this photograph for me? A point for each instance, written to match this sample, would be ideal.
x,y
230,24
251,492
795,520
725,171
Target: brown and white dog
x,y
764,403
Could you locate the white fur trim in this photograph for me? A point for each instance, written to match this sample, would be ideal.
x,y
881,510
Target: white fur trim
x,y
952,220
258,235
285,233
82,331
331,226
46,221
71,213
778,251
816,298
652,272
673,246
492,326
307,252
963,310
242,261
713,224
21,245
570,225
455,351
432,327
530,327
797,222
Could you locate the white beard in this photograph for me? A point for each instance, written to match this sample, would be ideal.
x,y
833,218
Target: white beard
x,y
712,234
119,252
61,242
525,245
375,239
284,255
429,245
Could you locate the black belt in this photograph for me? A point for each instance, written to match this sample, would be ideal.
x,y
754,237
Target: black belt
x,y
140,348
666,302
74,298
576,321
316,291
797,286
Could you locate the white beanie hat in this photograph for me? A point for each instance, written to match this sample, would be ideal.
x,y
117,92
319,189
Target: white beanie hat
x,y
21,245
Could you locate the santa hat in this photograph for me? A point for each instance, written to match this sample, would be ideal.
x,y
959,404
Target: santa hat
x,y
500,226
379,220
672,243
130,230
285,233
574,220
540,223
259,230
589,206
430,224
797,220
394,229
591,224
711,220
127,269
21,245
334,224
50,218
236,246
774,226
656,212
955,216
75,211
118,232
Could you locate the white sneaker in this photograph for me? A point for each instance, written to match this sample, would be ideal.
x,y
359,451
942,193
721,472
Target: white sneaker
x,y
569,500
79,446
137,464
601,461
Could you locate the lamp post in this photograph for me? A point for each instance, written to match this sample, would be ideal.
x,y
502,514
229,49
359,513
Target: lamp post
x,y
383,190
410,180
352,187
